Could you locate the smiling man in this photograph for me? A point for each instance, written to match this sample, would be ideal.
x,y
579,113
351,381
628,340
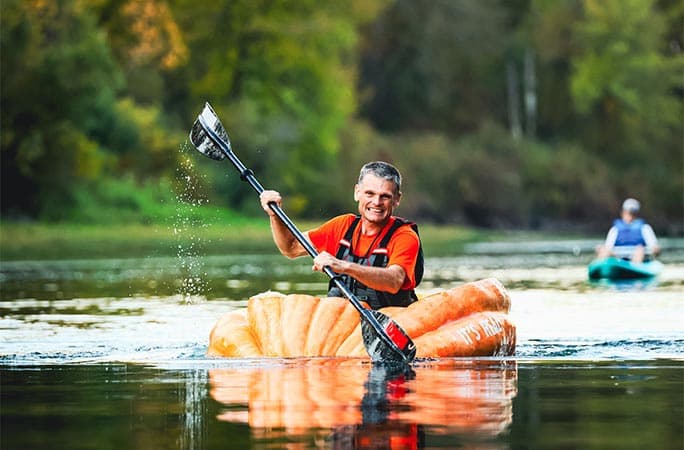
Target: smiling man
x,y
377,255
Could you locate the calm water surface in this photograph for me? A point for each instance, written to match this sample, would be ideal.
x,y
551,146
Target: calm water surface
x,y
110,354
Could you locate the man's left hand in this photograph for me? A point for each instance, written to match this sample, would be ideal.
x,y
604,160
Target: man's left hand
x,y
326,259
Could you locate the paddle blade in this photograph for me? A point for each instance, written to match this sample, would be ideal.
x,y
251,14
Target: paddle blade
x,y
200,138
399,349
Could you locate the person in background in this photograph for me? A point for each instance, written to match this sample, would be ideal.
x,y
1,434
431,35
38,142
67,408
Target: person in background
x,y
377,255
630,237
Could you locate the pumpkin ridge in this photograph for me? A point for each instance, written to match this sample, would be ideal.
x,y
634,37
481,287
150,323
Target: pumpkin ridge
x,y
295,322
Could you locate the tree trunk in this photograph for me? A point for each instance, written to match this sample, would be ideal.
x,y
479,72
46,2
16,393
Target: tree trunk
x,y
530,94
513,100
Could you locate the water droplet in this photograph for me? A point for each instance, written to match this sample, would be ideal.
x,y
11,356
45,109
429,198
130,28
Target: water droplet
x,y
193,284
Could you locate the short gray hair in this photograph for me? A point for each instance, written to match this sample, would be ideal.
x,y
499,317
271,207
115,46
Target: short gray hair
x,y
384,170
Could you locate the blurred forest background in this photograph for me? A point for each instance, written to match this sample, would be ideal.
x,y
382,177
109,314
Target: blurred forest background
x,y
526,114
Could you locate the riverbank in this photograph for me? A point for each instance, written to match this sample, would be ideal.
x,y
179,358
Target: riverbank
x,y
31,241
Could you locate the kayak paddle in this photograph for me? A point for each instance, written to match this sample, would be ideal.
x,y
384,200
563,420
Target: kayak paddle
x,y
384,339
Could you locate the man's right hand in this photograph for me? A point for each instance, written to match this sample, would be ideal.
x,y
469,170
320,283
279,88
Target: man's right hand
x,y
267,197
283,237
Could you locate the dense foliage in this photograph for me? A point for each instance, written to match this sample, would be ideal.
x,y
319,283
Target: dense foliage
x,y
525,113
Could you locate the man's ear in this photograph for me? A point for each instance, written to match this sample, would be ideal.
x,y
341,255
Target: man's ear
x,y
397,199
356,192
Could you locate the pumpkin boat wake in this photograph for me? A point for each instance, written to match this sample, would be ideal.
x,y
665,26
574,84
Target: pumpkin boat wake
x,y
468,320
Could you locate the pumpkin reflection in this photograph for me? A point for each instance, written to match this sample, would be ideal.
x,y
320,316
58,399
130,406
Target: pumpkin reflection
x,y
360,405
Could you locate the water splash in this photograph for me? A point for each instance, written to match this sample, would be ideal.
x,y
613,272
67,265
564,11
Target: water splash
x,y
187,228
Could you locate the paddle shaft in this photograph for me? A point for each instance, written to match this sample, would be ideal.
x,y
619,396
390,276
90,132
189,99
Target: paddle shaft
x,y
248,176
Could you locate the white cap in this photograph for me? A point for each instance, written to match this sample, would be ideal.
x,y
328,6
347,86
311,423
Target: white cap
x,y
631,205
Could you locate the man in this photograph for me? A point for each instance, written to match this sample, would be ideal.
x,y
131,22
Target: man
x,y
377,255
630,237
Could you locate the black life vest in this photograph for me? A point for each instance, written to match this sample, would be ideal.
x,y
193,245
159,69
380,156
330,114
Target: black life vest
x,y
377,258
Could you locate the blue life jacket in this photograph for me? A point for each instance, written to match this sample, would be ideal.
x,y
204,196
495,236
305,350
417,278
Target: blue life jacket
x,y
629,233
377,258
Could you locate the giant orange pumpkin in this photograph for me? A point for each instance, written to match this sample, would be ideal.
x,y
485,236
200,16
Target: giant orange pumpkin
x,y
468,320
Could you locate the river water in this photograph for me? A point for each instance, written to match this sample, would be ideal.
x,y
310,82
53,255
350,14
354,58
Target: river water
x,y
111,354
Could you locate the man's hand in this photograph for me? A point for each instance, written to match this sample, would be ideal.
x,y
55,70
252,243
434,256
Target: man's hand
x,y
267,197
389,279
326,259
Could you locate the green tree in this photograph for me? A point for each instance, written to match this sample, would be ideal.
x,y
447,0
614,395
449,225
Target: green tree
x,y
621,77
546,28
628,93
147,43
281,76
435,65
59,83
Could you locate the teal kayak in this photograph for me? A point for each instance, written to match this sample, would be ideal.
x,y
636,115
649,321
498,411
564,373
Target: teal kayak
x,y
622,269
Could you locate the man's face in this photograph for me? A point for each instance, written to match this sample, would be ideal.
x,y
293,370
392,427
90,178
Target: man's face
x,y
627,216
377,198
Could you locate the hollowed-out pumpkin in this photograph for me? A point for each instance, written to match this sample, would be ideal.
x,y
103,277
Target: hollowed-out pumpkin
x,y
468,320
